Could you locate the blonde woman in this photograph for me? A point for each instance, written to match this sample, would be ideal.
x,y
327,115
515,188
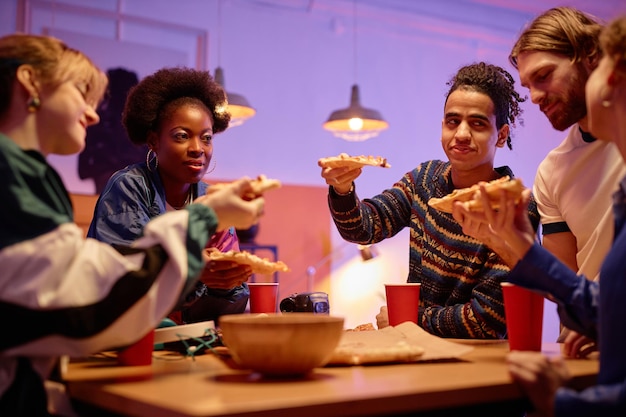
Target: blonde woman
x,y
59,293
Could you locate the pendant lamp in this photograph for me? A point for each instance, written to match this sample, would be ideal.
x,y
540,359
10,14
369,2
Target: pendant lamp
x,y
355,123
238,106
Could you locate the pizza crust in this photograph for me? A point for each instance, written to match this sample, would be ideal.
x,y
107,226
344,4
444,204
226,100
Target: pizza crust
x,y
361,352
262,184
466,195
259,265
343,160
366,327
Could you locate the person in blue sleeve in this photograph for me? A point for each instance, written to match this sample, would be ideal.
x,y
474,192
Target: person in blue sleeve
x,y
595,309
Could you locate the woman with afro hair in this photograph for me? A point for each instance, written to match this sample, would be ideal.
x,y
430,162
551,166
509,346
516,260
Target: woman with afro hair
x,y
175,112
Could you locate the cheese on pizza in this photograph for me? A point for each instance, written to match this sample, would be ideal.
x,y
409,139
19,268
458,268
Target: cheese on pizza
x,y
259,265
261,184
466,195
344,159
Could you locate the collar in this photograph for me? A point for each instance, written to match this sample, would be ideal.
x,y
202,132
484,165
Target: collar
x,y
587,137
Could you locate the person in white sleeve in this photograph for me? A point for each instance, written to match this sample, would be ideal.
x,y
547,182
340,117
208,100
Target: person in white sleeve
x,y
62,294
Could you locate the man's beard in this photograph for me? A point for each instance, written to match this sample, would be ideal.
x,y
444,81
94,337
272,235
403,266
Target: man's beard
x,y
573,101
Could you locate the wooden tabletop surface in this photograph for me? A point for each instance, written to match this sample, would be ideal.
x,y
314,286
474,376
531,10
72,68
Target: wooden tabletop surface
x,y
208,386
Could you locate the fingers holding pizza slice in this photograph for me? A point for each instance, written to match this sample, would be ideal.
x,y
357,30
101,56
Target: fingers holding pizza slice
x,y
262,184
259,265
258,186
345,160
471,198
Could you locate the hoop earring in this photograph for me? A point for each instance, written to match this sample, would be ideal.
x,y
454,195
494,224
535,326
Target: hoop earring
x,y
152,156
212,169
33,104
606,102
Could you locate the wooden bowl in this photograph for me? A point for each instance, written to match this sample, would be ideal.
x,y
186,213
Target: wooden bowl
x,y
278,344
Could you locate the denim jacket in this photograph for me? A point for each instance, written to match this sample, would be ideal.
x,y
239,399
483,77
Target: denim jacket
x,y
132,197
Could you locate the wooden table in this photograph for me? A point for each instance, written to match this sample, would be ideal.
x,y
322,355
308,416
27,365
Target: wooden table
x,y
208,387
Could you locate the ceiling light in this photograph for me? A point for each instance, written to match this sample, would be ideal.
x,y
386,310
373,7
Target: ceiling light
x,y
355,123
238,106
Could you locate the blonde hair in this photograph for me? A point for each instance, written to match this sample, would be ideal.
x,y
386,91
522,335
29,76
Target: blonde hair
x,y
561,30
54,63
613,41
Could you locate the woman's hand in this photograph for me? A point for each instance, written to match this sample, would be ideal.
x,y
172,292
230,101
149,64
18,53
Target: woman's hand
x,y
507,230
231,208
223,274
539,377
577,345
341,178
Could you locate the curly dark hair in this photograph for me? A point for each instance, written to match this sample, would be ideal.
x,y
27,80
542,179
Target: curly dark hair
x,y
496,83
159,94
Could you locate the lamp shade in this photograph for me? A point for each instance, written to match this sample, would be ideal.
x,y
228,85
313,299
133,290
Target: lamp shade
x,y
238,106
355,123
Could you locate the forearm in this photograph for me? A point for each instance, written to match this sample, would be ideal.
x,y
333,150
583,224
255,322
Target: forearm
x,y
577,296
463,321
346,214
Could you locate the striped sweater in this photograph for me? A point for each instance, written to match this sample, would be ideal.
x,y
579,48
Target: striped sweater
x,y
460,276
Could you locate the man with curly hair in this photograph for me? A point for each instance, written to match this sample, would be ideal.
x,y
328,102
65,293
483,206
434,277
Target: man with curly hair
x,y
555,54
176,112
460,276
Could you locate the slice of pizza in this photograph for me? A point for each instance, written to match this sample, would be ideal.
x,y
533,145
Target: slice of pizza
x,y
365,327
359,351
466,195
259,265
344,159
260,185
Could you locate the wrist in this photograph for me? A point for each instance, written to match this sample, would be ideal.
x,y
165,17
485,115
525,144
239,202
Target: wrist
x,y
350,191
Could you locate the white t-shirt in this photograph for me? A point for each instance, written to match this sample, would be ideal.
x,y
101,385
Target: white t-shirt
x,y
574,184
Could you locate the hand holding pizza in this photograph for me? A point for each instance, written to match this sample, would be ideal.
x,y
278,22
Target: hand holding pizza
x,y
223,274
506,229
341,171
341,178
229,203
257,264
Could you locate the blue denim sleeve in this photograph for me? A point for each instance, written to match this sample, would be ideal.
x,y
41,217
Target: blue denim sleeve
x,y
576,296
599,400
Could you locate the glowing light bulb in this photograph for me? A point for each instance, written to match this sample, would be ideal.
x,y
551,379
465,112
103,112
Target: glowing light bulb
x,y
355,123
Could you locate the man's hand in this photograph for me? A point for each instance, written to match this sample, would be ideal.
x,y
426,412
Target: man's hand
x,y
341,178
382,318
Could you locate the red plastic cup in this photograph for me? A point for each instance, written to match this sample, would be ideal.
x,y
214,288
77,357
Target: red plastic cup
x,y
523,310
263,297
139,353
402,302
